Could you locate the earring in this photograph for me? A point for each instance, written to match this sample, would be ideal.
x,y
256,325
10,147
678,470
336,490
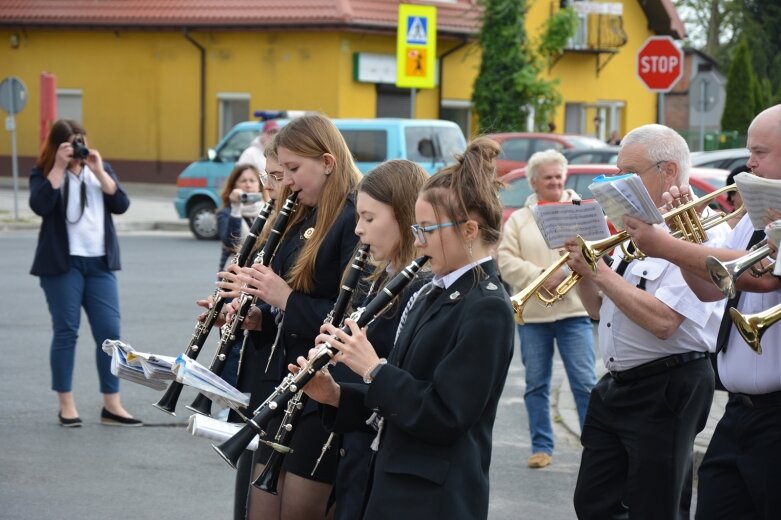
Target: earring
x,y
469,248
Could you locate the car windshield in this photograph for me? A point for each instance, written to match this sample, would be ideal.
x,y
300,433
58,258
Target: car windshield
x,y
582,141
238,142
515,193
429,144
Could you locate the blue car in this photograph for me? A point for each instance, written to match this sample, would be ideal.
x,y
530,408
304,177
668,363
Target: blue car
x,y
430,143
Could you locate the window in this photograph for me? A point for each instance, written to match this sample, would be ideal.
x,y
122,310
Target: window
x,y
516,150
231,150
367,145
234,108
69,103
430,144
393,101
458,111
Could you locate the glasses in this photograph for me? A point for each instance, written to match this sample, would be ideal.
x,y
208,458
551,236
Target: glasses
x,y
264,177
657,165
420,232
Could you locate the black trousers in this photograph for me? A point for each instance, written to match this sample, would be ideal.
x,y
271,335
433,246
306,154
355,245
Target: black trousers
x,y
740,476
637,444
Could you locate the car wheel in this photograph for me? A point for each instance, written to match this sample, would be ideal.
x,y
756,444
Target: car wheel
x,y
203,221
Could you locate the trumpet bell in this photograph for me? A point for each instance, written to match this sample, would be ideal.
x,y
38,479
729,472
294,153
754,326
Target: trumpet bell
x,y
750,328
721,276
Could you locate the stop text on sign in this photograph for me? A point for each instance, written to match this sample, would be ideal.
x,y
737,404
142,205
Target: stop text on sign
x,y
659,64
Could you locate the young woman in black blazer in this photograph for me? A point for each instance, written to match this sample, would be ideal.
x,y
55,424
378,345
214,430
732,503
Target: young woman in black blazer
x,y
297,291
386,209
437,392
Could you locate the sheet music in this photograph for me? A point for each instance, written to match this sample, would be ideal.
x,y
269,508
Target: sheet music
x,y
191,373
759,195
124,369
773,232
621,195
559,221
208,428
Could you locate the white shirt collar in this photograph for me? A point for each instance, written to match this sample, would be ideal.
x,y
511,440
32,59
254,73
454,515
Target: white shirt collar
x,y
447,280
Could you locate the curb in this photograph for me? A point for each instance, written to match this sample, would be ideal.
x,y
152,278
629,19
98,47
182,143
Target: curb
x,y
121,227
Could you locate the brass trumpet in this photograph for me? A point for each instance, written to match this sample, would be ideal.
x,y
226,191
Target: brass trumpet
x,y
725,274
753,326
684,222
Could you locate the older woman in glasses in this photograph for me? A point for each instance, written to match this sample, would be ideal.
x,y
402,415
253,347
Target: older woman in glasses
x,y
523,255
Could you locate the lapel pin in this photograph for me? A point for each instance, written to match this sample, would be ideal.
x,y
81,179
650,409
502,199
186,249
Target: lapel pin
x,y
455,295
308,233
491,286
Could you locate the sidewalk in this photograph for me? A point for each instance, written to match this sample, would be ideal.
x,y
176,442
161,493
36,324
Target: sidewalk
x,y
566,413
151,208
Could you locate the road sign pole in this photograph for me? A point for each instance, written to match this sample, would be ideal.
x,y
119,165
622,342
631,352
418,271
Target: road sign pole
x,y
15,169
412,93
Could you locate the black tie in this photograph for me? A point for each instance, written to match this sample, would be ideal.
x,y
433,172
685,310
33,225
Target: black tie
x,y
726,319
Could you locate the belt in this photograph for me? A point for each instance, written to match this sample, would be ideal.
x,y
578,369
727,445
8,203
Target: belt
x,y
656,366
758,400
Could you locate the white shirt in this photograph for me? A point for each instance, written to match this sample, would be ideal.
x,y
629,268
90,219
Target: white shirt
x,y
447,280
624,344
740,368
86,233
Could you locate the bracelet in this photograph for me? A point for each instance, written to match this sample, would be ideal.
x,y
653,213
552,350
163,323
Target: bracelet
x,y
371,372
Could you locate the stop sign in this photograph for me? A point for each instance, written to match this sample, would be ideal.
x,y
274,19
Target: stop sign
x,y
659,63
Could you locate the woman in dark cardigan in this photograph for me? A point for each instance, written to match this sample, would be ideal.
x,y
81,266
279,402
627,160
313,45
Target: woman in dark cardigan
x,y
77,253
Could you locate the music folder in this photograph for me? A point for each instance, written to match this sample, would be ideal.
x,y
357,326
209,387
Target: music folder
x,y
560,221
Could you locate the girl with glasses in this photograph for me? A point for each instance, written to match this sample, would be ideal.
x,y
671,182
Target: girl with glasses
x,y
436,393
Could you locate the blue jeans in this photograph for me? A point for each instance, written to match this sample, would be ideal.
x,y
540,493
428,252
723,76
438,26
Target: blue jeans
x,y
90,284
574,338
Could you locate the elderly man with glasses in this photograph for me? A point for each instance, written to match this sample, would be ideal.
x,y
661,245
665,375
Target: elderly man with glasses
x,y
654,336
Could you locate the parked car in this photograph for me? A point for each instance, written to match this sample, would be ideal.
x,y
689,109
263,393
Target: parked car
x,y
579,176
517,147
604,155
725,159
430,143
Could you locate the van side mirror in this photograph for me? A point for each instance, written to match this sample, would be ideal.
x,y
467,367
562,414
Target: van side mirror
x,y
211,154
426,147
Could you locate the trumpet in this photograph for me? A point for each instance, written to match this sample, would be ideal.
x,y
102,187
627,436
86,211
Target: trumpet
x,y
725,274
753,326
684,222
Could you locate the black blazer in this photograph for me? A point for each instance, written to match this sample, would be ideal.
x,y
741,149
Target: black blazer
x,y
440,403
52,255
353,472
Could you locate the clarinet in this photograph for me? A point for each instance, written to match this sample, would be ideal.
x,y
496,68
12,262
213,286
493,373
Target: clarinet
x,y
202,404
231,449
167,403
267,480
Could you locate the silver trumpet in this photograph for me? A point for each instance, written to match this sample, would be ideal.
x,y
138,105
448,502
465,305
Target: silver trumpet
x,y
725,274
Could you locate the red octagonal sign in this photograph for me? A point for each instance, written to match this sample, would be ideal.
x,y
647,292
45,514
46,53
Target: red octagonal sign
x,y
659,63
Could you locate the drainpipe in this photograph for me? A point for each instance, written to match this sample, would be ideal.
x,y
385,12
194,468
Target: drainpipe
x,y
441,67
202,108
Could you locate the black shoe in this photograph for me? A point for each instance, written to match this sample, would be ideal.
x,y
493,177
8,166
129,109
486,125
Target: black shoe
x,y
109,419
69,423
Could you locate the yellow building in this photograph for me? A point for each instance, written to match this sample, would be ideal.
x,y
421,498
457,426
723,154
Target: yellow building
x,y
155,84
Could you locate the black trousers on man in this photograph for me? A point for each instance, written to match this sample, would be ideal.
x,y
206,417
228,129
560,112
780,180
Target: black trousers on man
x,y
740,476
637,444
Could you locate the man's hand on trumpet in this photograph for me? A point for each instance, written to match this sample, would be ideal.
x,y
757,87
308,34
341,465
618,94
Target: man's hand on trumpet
x,y
651,239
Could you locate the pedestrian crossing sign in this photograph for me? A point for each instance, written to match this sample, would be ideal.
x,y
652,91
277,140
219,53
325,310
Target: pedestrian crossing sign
x,y
416,46
416,29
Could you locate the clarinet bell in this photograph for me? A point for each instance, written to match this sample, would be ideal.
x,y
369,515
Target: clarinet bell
x,y
231,449
269,477
167,403
201,405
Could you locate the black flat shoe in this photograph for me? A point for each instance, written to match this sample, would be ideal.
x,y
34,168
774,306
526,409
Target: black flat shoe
x,y
109,419
69,423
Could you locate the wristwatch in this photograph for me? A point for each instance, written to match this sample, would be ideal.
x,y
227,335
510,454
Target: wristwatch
x,y
370,374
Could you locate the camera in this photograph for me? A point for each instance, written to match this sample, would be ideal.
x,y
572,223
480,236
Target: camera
x,y
79,150
251,197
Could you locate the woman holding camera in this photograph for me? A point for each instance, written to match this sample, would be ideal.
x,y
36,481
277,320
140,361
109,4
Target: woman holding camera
x,y
76,193
236,215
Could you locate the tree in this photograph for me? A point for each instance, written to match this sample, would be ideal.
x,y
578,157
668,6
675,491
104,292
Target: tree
x,y
712,26
740,103
508,86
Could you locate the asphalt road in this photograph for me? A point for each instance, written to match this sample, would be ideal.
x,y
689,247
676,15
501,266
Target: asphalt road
x,y
159,471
